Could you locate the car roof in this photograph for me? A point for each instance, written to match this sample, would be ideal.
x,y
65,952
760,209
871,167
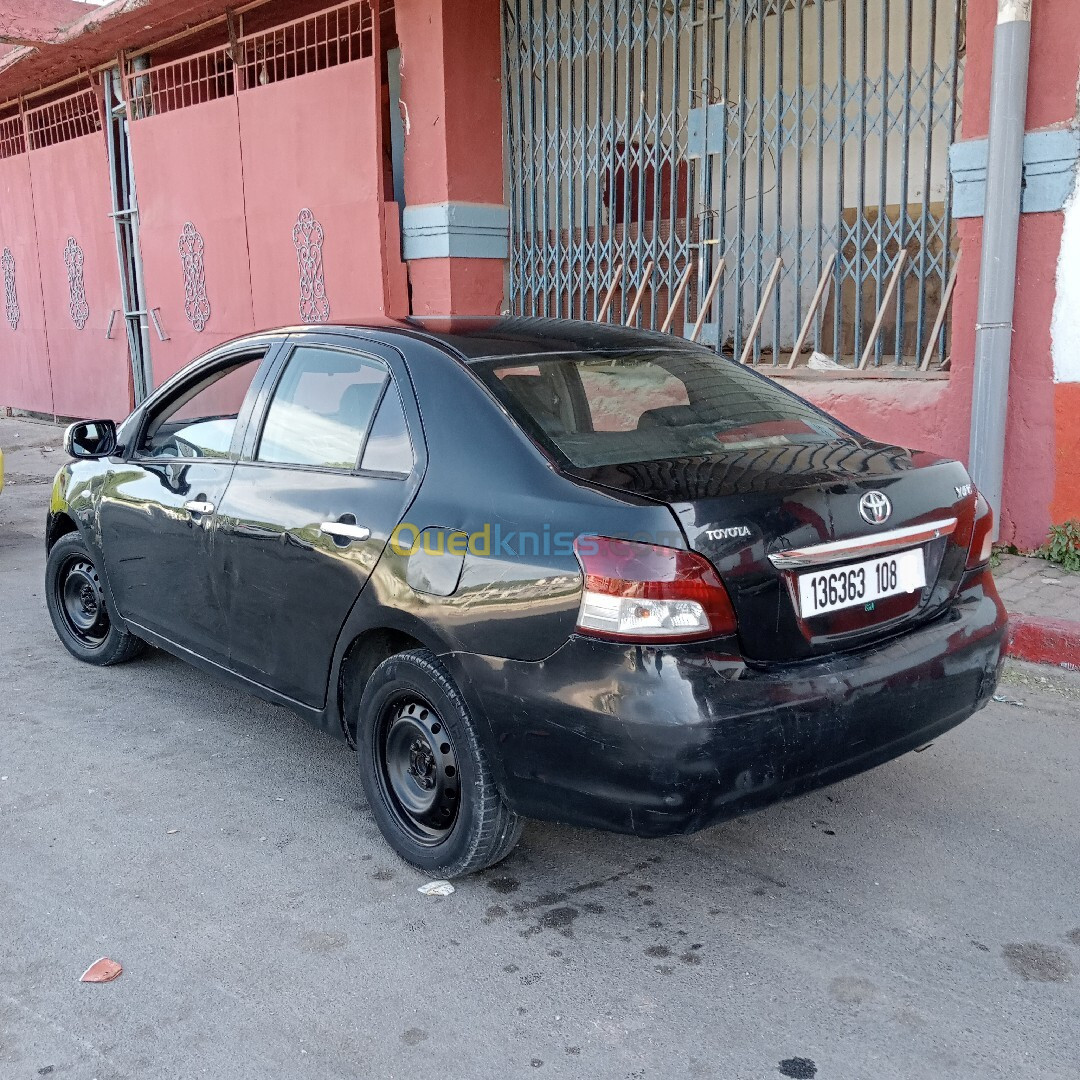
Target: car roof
x,y
498,338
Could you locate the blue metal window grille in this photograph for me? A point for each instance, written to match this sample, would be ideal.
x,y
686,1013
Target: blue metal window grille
x,y
803,142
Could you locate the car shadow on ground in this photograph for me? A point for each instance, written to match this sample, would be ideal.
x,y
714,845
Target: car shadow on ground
x,y
822,833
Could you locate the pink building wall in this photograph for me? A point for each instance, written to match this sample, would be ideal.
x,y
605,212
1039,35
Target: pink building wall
x,y
54,360
91,375
302,151
240,169
170,153
24,351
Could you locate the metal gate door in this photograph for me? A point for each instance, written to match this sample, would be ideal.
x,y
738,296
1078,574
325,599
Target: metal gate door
x,y
782,161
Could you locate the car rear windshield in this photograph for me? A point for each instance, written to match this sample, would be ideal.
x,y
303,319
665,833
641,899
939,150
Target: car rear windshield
x,y
596,409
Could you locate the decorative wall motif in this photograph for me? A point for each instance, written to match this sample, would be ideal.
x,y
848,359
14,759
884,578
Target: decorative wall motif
x,y
196,302
308,237
73,260
11,299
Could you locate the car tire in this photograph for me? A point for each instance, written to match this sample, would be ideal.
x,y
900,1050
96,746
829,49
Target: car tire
x,y
75,596
425,773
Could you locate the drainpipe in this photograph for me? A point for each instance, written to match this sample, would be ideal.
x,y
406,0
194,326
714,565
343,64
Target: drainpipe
x,y
1001,225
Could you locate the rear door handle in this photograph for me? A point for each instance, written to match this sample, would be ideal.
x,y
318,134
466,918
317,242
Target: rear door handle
x,y
342,530
199,506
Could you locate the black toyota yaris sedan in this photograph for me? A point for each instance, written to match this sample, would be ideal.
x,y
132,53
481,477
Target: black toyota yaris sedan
x,y
533,569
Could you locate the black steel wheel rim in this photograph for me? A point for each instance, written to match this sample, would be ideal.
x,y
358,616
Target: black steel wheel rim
x,y
79,600
417,769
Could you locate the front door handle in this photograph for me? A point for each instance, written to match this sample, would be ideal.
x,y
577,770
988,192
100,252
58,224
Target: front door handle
x,y
343,530
199,506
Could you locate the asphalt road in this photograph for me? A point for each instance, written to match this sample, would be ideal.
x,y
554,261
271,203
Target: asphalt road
x,y
921,921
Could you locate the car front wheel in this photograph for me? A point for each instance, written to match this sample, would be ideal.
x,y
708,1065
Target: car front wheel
x,y
425,773
76,600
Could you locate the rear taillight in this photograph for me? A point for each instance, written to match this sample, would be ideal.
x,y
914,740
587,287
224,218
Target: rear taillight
x,y
982,536
642,592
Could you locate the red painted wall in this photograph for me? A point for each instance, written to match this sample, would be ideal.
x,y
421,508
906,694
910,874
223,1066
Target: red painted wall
x,y
451,84
25,379
1029,437
451,88
170,154
1055,40
1039,483
922,415
91,374
310,142
1066,503
457,286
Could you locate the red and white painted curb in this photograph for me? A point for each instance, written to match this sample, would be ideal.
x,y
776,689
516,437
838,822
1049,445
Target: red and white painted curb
x,y
1044,641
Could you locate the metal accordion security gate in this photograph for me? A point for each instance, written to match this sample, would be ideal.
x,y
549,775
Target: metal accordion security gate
x,y
770,175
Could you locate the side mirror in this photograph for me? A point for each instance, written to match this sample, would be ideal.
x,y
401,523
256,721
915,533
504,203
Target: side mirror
x,y
90,439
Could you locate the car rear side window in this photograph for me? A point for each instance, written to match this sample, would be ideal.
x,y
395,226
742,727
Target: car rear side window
x,y
321,408
388,447
616,408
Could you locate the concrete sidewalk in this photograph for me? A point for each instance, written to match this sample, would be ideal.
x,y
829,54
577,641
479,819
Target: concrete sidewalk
x,y
1043,600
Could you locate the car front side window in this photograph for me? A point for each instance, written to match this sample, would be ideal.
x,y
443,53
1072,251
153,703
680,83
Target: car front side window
x,y
201,420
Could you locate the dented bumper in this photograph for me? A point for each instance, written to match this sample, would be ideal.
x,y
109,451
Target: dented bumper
x,y
658,741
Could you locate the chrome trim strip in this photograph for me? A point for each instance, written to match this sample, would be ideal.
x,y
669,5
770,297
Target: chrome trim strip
x,y
880,544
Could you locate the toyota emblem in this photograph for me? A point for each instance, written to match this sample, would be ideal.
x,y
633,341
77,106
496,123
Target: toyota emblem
x,y
875,507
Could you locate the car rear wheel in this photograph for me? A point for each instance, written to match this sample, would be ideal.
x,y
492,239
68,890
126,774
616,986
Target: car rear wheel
x,y
425,773
76,600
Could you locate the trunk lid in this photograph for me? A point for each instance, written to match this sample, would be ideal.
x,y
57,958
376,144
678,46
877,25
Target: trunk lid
x,y
739,508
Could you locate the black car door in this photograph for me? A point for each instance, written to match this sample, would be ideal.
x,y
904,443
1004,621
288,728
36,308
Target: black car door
x,y
158,507
324,478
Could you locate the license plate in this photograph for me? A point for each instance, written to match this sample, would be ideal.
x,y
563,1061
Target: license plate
x,y
861,583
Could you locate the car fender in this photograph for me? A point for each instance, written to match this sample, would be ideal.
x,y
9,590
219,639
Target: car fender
x,y
75,495
370,613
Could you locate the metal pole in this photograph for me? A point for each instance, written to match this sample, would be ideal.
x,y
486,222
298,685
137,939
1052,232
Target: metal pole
x,y
1001,223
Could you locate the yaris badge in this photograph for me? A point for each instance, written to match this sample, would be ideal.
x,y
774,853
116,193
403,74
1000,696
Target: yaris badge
x,y
875,507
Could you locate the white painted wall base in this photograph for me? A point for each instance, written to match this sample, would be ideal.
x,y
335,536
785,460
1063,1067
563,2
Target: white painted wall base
x,y
1065,327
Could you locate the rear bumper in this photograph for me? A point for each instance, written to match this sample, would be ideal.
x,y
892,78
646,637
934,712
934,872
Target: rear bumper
x,y
661,741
